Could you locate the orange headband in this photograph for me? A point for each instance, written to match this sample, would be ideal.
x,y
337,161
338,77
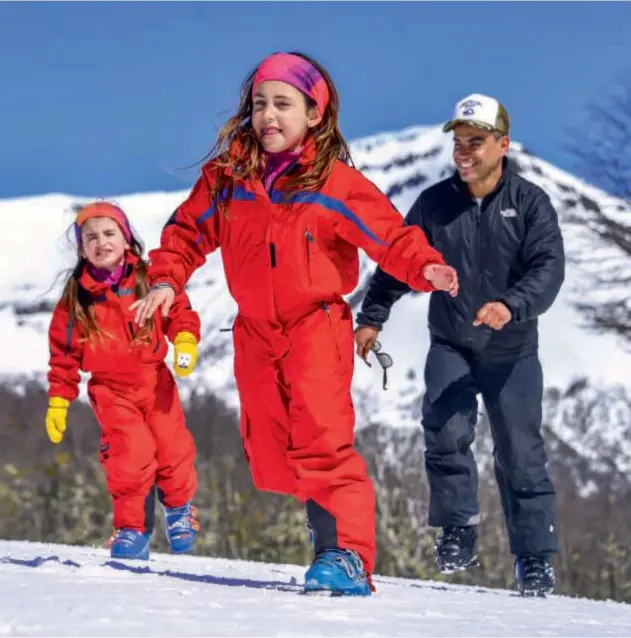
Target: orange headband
x,y
102,209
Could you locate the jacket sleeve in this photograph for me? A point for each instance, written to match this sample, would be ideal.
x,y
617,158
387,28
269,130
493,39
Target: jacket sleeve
x,y
190,234
544,258
369,221
182,318
384,290
65,356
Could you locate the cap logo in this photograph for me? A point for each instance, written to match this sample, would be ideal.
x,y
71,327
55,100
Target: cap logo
x,y
468,107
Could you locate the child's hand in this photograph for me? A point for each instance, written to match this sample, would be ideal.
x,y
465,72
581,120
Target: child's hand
x,y
442,278
185,354
56,418
160,296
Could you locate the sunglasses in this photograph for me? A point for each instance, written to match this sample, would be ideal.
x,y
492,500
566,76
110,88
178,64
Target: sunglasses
x,y
384,360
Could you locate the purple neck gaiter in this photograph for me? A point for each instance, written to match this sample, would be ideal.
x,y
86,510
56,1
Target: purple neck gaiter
x,y
108,277
276,163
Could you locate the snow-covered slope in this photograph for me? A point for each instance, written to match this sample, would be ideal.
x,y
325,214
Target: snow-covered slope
x,y
401,164
59,590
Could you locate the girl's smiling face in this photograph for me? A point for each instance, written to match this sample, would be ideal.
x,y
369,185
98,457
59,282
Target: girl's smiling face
x,y
281,116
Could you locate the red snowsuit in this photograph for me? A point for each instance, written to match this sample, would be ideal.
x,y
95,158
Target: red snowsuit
x,y
144,439
287,267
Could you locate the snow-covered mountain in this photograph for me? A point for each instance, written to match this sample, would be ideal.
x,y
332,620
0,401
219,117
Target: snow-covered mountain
x,y
582,367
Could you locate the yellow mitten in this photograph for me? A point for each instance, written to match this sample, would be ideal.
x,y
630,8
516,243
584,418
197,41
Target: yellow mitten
x,y
56,418
185,353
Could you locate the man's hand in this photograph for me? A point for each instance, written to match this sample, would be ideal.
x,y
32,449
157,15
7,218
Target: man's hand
x,y
493,314
365,337
442,278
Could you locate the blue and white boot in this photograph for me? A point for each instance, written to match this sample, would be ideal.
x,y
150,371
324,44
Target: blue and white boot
x,y
181,526
337,572
130,544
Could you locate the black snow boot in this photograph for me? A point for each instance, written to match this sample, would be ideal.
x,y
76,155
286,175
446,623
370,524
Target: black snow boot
x,y
456,549
535,575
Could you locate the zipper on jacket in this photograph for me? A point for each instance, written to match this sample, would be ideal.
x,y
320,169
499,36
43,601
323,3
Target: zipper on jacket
x,y
130,325
284,172
272,254
478,256
309,239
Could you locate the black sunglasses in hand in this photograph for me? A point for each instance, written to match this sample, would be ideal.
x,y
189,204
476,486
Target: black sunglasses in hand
x,y
384,360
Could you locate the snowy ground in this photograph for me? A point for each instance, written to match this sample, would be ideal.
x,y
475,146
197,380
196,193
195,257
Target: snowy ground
x,y
58,590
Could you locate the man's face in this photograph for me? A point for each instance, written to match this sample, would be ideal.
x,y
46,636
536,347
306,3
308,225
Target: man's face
x,y
477,152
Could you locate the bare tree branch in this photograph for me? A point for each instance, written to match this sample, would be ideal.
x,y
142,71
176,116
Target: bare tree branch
x,y
602,149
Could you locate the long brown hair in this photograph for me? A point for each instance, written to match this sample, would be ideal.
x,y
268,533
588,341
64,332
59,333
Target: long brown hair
x,y
80,305
329,144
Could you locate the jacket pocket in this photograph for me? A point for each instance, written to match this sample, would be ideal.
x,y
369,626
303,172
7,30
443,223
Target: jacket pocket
x,y
333,329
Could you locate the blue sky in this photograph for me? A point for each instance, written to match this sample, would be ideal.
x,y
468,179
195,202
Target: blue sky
x,y
109,98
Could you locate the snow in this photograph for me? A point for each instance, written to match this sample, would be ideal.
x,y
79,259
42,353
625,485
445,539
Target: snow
x,y
60,590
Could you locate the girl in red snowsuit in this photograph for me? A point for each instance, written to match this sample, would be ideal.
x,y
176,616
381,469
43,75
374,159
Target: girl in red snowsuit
x,y
145,442
287,211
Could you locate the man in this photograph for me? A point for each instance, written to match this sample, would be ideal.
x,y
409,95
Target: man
x,y
501,233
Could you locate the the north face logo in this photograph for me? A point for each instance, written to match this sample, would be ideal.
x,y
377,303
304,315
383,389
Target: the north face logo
x,y
508,212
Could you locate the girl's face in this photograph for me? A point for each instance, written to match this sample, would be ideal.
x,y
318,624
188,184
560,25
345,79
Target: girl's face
x,y
103,243
281,117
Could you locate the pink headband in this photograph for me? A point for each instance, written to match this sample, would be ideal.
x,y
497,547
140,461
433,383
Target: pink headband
x,y
102,209
296,71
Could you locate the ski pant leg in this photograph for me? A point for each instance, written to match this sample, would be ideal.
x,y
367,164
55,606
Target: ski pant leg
x,y
265,428
128,454
513,392
176,476
331,473
297,423
449,416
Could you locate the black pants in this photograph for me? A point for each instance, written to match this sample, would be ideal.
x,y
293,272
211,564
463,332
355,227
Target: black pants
x,y
512,392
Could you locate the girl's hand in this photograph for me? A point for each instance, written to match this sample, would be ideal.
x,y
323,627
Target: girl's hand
x,y
158,297
442,278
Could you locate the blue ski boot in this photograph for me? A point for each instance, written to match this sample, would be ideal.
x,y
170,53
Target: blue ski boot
x,y
129,543
337,572
181,526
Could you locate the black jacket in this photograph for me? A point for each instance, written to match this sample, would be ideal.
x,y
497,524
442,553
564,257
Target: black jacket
x,y
509,248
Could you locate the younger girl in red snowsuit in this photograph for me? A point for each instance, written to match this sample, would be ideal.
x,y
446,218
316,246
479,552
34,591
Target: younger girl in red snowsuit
x,y
287,211
145,442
